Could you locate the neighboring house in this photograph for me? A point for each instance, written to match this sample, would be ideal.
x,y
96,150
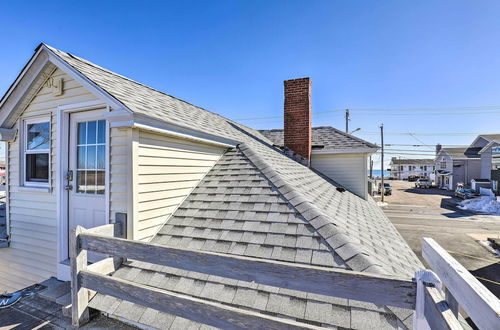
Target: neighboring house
x,y
402,168
87,146
457,165
340,156
486,142
489,171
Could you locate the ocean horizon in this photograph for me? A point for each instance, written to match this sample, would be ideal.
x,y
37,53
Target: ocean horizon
x,y
378,173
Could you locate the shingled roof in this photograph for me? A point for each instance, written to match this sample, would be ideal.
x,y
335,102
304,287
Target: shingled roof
x,y
258,202
324,138
463,152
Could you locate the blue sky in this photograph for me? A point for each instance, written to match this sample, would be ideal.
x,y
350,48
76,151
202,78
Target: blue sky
x,y
231,57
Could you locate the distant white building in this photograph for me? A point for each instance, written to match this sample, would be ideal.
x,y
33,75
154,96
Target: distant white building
x,y
402,168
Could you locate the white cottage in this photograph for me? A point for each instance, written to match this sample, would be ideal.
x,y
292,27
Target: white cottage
x,y
78,156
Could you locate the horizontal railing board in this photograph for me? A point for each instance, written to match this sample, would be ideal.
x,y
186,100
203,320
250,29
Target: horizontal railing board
x,y
198,310
437,312
112,230
377,289
477,301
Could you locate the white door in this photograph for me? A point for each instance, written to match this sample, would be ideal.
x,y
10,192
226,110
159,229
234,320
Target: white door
x,y
85,182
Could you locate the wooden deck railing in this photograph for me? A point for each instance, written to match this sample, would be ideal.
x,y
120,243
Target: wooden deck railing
x,y
421,295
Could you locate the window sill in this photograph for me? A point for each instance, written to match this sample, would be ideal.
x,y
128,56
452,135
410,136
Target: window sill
x,y
34,189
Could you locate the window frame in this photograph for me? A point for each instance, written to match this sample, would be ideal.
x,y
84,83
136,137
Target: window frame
x,y
25,151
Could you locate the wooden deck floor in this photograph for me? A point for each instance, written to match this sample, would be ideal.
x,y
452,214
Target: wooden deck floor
x,y
36,312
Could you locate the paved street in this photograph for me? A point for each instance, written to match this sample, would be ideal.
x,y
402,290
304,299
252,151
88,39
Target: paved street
x,y
418,213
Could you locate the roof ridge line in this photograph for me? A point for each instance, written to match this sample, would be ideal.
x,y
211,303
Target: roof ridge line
x,y
81,59
340,243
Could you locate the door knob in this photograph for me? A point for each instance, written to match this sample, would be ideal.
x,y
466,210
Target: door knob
x,y
68,187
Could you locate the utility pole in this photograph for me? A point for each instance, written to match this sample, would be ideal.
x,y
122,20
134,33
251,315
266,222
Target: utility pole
x,y
382,188
400,166
347,120
371,168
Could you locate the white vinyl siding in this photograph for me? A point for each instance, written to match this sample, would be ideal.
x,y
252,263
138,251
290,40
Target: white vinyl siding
x,y
349,170
168,169
32,255
119,159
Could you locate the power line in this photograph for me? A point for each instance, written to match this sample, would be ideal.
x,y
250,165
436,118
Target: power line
x,y
411,150
423,134
421,145
437,111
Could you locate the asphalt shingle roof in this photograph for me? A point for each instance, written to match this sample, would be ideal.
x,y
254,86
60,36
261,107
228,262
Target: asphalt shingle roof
x,y
491,137
463,152
324,138
258,202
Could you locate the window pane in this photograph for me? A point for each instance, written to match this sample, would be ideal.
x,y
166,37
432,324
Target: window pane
x,y
90,182
82,133
81,161
101,131
101,158
80,179
91,157
38,136
100,182
37,167
91,132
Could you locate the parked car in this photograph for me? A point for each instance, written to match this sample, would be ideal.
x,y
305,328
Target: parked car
x,y
387,189
423,183
414,177
464,193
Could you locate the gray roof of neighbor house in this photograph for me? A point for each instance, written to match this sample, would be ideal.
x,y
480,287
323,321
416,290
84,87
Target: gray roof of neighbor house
x,y
324,138
258,202
491,137
462,152
408,161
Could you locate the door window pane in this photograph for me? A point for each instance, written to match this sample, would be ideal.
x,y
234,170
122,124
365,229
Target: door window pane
x,y
37,167
100,182
101,157
81,157
91,157
91,132
80,181
101,131
90,182
91,150
82,133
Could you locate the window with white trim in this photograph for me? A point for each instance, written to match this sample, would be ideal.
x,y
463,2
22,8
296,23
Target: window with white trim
x,y
36,152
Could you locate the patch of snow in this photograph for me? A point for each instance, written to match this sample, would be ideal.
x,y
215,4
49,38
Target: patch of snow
x,y
485,192
484,204
382,204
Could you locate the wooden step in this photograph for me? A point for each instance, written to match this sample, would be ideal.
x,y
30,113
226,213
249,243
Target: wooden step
x,y
56,290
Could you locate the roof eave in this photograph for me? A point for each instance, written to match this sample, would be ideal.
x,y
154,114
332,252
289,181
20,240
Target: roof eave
x,y
124,119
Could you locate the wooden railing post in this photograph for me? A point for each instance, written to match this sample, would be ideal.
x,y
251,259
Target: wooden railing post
x,y
452,302
79,295
424,278
474,298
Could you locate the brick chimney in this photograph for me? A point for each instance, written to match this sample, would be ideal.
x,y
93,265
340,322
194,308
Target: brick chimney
x,y
298,134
